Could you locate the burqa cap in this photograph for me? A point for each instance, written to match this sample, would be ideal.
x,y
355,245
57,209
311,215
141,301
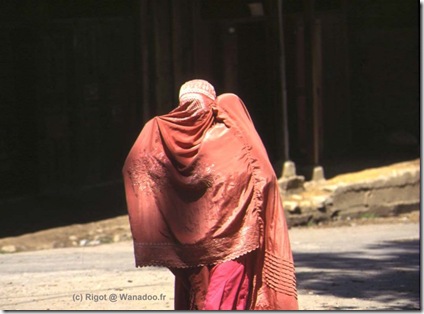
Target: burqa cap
x,y
198,87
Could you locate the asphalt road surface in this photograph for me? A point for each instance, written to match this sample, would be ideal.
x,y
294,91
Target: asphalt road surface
x,y
366,267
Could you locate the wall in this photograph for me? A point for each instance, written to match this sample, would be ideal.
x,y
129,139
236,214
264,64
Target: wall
x,y
383,191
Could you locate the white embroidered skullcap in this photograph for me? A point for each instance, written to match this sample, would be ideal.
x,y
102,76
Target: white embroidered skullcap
x,y
198,87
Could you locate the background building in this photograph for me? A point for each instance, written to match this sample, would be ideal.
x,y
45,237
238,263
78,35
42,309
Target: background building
x,y
328,82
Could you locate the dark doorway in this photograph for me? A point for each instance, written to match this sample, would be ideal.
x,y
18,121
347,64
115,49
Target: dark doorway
x,y
242,57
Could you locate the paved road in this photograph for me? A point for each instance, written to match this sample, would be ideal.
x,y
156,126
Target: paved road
x,y
371,267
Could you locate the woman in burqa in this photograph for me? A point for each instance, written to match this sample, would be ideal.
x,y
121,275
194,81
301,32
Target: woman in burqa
x,y
203,201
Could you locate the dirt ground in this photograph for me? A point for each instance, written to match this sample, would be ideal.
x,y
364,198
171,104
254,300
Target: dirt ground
x,y
117,230
331,275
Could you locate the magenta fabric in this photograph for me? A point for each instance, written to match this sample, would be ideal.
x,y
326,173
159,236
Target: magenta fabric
x,y
229,286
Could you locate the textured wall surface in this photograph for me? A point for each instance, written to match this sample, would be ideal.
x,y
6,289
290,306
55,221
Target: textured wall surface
x,y
384,191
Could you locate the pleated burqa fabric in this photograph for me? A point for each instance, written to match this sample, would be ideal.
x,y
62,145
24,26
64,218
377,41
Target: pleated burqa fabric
x,y
201,191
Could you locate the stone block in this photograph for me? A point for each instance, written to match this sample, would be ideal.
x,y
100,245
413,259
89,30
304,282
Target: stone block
x,y
381,191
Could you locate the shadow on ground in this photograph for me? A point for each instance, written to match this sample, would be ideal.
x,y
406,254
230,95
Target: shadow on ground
x,y
388,273
40,212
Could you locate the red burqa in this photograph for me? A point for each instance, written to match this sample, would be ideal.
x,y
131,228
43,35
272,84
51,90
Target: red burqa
x,y
201,191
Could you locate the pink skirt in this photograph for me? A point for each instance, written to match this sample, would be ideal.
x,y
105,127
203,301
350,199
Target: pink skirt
x,y
224,286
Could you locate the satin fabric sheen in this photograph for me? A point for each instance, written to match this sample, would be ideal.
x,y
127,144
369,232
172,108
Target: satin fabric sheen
x,y
201,191
228,288
224,286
